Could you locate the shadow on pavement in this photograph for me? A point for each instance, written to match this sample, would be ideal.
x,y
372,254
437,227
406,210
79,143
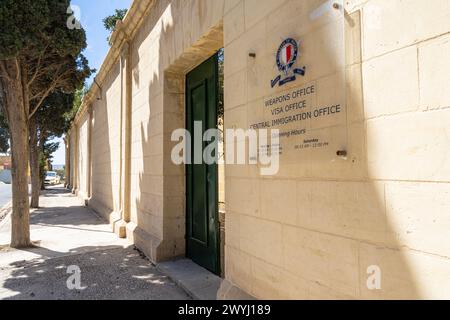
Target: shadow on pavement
x,y
55,191
71,235
105,273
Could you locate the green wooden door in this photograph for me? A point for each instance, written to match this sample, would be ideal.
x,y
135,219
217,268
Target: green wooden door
x,y
201,189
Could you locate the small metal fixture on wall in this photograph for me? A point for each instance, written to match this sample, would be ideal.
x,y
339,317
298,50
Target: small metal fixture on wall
x,y
342,153
100,88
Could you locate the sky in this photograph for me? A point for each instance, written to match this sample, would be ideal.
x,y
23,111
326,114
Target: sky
x,y
91,14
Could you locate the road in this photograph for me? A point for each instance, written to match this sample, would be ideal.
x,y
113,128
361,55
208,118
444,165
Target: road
x,y
5,194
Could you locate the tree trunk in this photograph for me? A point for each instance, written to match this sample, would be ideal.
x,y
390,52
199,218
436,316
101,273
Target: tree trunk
x,y
41,144
17,115
34,165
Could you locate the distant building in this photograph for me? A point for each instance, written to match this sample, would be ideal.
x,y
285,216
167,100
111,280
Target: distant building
x,y
57,167
5,162
5,175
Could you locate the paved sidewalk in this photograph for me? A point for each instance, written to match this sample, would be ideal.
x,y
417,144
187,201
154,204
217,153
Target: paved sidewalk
x,y
5,194
68,234
4,211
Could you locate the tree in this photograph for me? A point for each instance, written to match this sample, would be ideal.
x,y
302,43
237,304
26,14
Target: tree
x,y
49,122
45,158
4,132
111,21
77,101
38,55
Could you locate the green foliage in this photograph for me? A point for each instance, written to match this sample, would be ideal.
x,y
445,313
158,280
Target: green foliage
x,y
20,21
73,73
111,21
76,104
52,121
49,149
32,26
36,35
42,169
51,117
61,173
40,53
4,133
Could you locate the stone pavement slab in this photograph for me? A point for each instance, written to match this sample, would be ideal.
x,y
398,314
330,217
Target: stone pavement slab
x,y
112,274
197,281
66,233
62,226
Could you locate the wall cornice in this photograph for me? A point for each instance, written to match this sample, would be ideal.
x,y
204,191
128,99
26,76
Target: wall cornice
x,y
124,32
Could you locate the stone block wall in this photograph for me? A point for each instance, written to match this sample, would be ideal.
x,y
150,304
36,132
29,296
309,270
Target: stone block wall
x,y
83,161
106,146
312,230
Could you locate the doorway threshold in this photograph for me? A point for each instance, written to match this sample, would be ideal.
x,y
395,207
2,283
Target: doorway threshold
x,y
198,282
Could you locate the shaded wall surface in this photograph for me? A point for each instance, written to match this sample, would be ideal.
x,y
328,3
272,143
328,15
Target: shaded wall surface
x,y
315,228
82,164
106,142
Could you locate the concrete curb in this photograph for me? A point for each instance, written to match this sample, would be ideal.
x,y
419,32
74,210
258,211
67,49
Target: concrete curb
x,y
4,212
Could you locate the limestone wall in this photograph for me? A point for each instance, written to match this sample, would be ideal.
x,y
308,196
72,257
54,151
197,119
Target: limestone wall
x,y
82,163
106,145
72,151
313,230
175,37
